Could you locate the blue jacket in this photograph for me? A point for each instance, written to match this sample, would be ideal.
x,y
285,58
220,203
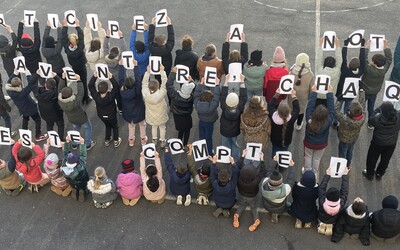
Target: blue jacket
x,y
142,59
178,184
224,196
206,111
21,97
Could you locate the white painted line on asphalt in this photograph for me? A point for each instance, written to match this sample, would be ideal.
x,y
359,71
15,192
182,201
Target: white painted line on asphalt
x,y
8,11
258,2
317,27
288,9
17,3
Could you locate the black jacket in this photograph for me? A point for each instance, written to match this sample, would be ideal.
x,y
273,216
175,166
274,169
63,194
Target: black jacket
x,y
386,131
21,97
8,53
32,54
76,58
188,58
4,107
230,117
250,178
163,51
244,53
53,55
179,105
48,103
385,223
106,107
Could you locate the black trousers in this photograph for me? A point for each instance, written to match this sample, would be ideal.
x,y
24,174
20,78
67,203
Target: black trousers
x,y
376,151
60,127
38,122
111,124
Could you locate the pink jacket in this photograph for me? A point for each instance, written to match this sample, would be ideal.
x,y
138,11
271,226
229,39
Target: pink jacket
x,y
129,185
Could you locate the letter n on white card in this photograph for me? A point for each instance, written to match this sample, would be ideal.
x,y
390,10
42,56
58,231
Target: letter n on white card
x,y
329,41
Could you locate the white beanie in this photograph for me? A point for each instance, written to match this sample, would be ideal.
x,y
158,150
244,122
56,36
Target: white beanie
x,y
186,90
303,58
232,100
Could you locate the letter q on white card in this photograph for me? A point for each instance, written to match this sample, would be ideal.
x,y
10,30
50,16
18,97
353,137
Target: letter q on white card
x,y
223,154
253,151
5,136
337,166
322,82
351,87
286,84
199,149
377,42
161,18
284,158
392,92
149,151
236,31
53,20
175,146
2,20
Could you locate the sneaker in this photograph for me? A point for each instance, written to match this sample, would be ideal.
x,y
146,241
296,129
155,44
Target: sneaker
x,y
163,143
92,144
56,190
378,177
226,213
179,200
321,228
217,212
307,225
131,142
17,190
199,200
7,98
81,196
74,194
329,229
369,177
13,134
107,143
370,127
118,142
205,200
41,137
67,191
188,200
298,127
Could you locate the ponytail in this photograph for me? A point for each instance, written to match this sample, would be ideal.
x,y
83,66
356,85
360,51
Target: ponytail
x,y
299,75
284,127
99,174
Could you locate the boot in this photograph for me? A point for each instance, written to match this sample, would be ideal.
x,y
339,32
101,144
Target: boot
x,y
56,190
274,218
67,191
255,225
217,212
125,201
226,213
329,229
307,225
205,200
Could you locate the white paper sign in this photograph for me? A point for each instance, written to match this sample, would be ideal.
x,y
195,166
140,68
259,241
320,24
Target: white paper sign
x,y
155,65
235,70
138,21
322,82
329,41
253,151
2,20
236,31
45,70
182,73
176,146
210,76
113,26
127,59
29,17
376,42
70,16
149,151
26,136
161,18
53,20
200,151
75,136
102,71
54,139
351,87
19,64
392,92
284,158
355,39
93,20
286,84
5,136
70,74
337,166
223,154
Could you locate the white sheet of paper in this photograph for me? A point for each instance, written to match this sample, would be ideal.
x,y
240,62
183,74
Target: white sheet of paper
x,y
26,136
102,71
376,46
139,22
53,20
176,146
155,63
29,17
113,26
286,84
392,92
355,41
70,74
210,76
284,158
127,59
161,18
200,150
322,88
45,70
182,73
253,151
70,15
329,41
2,20
222,158
93,19
337,166
54,139
149,151
19,64
75,136
351,87
5,136
236,31
235,70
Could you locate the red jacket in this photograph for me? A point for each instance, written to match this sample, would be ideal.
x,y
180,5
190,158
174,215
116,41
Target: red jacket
x,y
32,173
271,82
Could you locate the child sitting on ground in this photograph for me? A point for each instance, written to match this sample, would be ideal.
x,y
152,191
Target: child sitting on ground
x,y
153,183
129,183
11,182
102,188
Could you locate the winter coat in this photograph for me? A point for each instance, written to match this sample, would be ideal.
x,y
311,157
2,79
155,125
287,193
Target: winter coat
x,y
47,99
129,185
9,52
254,76
350,223
304,89
244,55
72,106
105,105
373,77
53,55
257,129
334,72
143,58
202,186
275,201
206,61
272,79
179,184
349,128
188,58
344,191
32,173
230,117
386,132
250,178
156,106
77,176
32,54
395,75
55,173
4,106
76,58
161,191
224,195
133,109
304,206
107,191
385,223
21,98
207,111
9,178
113,64
319,139
179,105
165,50
94,57
277,126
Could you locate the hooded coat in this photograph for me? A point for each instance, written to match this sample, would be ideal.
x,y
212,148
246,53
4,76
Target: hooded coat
x,y
77,176
188,58
224,195
202,186
373,76
304,89
254,76
31,172
72,106
179,184
94,57
207,111
9,178
272,79
53,55
250,178
385,223
107,191
4,106
147,193
165,50
386,129
47,99
129,185
230,117
256,129
156,106
8,52
21,98
76,58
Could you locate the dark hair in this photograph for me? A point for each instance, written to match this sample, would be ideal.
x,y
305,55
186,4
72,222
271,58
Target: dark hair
x,y
329,62
151,170
24,155
140,47
153,184
234,56
160,40
129,83
354,63
206,96
114,52
205,169
359,207
187,42
317,119
50,83
284,112
103,87
299,75
379,60
181,169
154,85
66,92
95,45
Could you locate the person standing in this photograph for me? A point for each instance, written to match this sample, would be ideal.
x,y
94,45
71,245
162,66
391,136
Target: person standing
x,y
51,50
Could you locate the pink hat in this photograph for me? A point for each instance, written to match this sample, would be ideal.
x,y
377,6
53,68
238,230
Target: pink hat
x,y
279,55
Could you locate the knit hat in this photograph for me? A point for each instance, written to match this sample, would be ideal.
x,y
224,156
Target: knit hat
x,y
303,58
52,161
248,173
3,41
387,109
308,179
279,55
26,41
275,179
223,176
72,159
232,100
186,90
333,194
49,42
128,165
390,201
256,57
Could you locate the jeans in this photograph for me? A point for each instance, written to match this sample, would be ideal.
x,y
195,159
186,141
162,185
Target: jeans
x,y
7,120
374,151
88,131
346,151
371,103
231,142
312,159
38,123
276,148
206,130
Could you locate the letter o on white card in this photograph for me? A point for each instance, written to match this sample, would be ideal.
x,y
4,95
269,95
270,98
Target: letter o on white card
x,y
175,146
355,39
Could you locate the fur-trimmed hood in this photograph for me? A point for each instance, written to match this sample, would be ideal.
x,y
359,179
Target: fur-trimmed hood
x,y
11,88
104,188
66,100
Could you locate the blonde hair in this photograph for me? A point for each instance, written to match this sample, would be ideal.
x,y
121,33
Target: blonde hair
x,y
99,174
73,39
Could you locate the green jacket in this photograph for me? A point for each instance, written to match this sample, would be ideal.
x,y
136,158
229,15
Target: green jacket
x,y
79,176
202,186
373,77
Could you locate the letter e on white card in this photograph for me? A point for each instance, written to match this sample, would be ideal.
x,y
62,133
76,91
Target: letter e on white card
x,y
392,92
337,166
376,42
5,136
235,70
236,31
149,151
54,139
286,84
161,18
155,65
253,151
69,74
182,73
75,136
350,87
322,82
284,158
223,154
175,146
329,41
70,16
26,136
138,21
210,76
53,20
355,39
200,151
29,17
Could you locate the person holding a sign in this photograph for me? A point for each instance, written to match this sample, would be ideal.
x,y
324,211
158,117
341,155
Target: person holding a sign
x,y
5,108
385,223
113,55
94,51
386,122
319,119
274,74
282,121
103,189
254,72
8,50
374,75
187,57
234,56
140,49
51,50
210,59
154,188
30,48
181,106
395,75
10,181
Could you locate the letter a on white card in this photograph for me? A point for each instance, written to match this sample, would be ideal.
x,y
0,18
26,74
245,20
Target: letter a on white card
x,y
350,87
236,31
19,64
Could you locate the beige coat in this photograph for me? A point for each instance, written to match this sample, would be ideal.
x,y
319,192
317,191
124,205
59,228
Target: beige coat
x,y
156,106
96,56
304,89
160,193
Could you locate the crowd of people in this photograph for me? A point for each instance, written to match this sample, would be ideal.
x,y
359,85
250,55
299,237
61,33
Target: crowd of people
x,y
253,108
